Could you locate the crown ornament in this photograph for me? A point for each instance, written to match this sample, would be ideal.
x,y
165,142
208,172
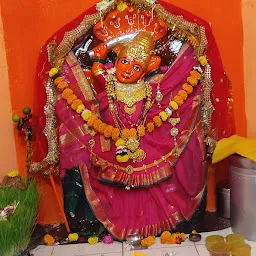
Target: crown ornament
x,y
130,21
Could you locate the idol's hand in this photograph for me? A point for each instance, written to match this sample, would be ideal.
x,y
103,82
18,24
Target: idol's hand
x,y
100,51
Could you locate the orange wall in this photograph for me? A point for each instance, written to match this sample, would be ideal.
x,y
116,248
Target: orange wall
x,y
7,150
28,24
249,24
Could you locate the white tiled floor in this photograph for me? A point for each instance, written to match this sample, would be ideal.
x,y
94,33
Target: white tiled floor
x,y
118,249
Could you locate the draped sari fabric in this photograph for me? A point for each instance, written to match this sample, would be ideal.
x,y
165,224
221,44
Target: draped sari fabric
x,y
166,189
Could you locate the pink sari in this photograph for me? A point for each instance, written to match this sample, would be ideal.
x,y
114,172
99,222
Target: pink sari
x,y
165,189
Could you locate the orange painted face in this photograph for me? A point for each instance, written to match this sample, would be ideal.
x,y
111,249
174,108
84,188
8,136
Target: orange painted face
x,y
128,70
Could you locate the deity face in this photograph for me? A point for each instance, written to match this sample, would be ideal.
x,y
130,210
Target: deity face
x,y
128,70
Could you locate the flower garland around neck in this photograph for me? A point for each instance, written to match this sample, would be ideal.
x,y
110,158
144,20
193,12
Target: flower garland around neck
x,y
126,140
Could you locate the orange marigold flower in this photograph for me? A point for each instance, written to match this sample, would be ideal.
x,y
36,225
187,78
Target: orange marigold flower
x,y
150,127
115,134
148,241
183,236
71,98
133,132
108,131
193,81
66,93
91,120
179,100
62,85
125,134
183,94
76,103
188,88
58,80
49,240
96,125
141,130
102,127
195,74
165,237
157,121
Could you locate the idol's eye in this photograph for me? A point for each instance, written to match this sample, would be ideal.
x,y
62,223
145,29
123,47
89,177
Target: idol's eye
x,y
137,68
124,61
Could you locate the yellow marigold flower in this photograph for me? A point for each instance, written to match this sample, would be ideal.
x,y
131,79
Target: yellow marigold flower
x,y
139,254
13,174
193,81
71,98
86,115
122,6
174,105
93,240
115,134
53,72
150,127
108,131
183,94
203,60
75,104
120,142
80,108
73,237
163,116
49,240
122,159
157,121
141,130
195,74
133,132
66,93
58,80
179,100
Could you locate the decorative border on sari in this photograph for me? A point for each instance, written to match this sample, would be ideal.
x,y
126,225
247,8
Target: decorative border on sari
x,y
84,85
153,229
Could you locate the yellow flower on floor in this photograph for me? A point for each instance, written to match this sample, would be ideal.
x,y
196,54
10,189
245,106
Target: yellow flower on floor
x,y
139,254
93,240
73,237
49,240
13,174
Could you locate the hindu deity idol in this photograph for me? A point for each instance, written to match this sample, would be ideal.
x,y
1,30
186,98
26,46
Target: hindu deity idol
x,y
131,91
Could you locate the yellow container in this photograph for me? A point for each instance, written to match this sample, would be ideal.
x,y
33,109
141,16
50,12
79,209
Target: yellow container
x,y
234,238
218,249
240,249
214,239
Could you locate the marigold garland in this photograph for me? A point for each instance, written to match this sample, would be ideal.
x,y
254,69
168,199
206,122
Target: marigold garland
x,y
111,132
188,88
